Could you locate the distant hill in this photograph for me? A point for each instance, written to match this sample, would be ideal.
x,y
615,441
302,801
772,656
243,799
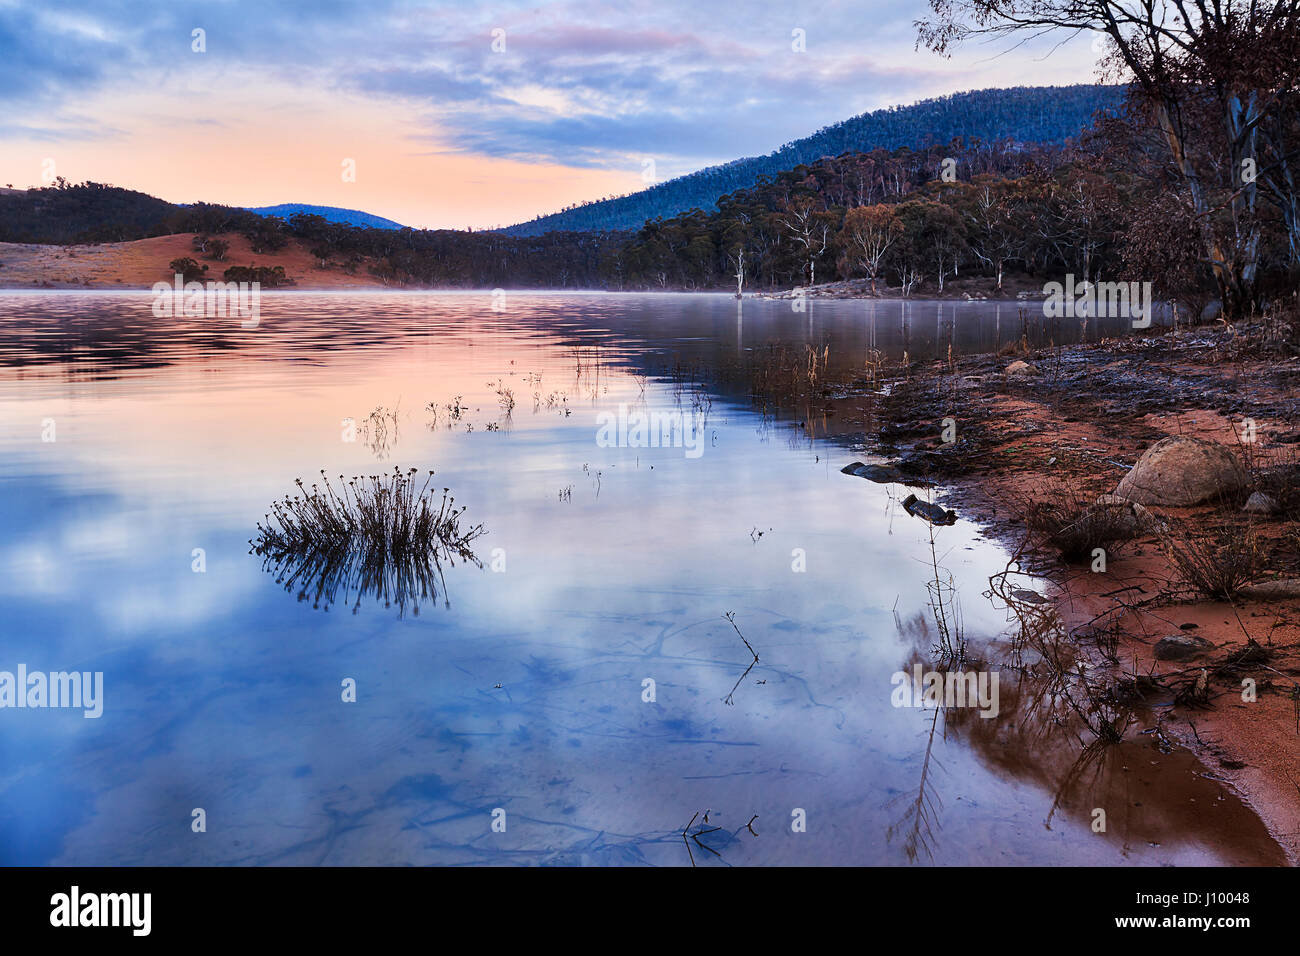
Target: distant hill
x,y
81,212
95,212
347,217
1030,115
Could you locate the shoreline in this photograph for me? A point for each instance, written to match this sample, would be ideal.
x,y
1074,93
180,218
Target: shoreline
x,y
1083,415
137,264
1079,420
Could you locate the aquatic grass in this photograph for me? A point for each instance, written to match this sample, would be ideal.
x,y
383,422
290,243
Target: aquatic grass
x,y
383,535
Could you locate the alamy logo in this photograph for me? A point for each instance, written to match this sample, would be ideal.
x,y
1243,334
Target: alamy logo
x,y
931,689
212,300
75,908
651,428
1102,300
56,689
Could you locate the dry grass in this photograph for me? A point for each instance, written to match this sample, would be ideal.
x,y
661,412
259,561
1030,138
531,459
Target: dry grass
x,y
1217,562
1068,519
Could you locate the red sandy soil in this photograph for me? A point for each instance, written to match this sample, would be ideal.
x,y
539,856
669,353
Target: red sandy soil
x,y
141,263
1252,745
1090,412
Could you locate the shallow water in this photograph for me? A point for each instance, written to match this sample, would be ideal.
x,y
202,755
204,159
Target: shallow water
x,y
522,687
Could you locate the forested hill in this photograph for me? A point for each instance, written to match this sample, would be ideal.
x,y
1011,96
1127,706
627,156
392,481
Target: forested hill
x,y
1024,114
348,217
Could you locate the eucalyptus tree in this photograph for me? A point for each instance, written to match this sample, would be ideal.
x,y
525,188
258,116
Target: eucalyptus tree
x,y
1216,79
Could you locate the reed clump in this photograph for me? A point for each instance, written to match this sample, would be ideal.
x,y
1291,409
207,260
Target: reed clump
x,y
384,535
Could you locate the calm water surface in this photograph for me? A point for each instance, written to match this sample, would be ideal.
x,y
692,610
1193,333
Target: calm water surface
x,y
522,686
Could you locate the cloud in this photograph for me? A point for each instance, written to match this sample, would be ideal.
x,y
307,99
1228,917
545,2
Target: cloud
x,y
578,82
38,61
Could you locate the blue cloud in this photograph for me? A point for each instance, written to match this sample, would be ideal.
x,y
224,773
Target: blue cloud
x,y
579,82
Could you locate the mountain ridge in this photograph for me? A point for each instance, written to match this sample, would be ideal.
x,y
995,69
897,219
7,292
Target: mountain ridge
x,y
339,214
1032,115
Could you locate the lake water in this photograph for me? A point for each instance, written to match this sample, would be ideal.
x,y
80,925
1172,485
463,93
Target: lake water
x,y
522,694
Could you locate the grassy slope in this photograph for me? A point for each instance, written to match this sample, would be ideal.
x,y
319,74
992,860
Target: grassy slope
x,y
139,264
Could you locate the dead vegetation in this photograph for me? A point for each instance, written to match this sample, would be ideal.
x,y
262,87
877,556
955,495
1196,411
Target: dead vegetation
x,y
1069,518
377,535
1217,561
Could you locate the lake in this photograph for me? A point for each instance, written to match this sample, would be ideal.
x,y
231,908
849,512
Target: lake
x,y
577,695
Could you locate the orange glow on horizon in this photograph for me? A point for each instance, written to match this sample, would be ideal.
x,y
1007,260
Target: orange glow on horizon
x,y
294,152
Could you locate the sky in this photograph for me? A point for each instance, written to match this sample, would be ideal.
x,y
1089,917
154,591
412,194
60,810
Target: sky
x,y
453,114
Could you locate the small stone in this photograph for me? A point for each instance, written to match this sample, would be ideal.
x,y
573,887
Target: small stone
x,y
1019,369
1181,647
1261,504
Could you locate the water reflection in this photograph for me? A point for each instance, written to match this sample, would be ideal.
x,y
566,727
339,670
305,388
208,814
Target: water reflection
x,y
609,566
375,536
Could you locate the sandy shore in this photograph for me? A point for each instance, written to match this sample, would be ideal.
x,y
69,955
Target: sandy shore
x,y
1081,421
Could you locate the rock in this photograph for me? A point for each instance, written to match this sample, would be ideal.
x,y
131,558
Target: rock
x,y
1020,369
1178,472
878,473
1261,504
1135,518
1026,596
1279,590
1181,647
928,510
921,463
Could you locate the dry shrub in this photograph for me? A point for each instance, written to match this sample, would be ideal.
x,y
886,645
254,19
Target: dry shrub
x,y
1217,562
1069,519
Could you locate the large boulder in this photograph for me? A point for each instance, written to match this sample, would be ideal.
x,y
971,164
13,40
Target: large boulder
x,y
1177,472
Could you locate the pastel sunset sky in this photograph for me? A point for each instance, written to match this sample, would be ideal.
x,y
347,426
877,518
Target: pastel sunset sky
x,y
445,130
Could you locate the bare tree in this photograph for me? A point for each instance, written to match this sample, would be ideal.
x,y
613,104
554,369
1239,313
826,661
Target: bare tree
x,y
1213,76
737,259
868,233
809,228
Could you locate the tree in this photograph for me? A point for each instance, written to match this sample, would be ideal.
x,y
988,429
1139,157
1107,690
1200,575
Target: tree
x,y
809,226
188,269
737,259
868,233
908,255
994,232
1213,77
943,233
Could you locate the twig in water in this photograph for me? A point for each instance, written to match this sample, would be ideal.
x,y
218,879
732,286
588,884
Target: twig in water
x,y
731,616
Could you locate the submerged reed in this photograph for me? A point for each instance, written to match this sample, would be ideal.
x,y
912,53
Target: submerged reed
x,y
381,535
